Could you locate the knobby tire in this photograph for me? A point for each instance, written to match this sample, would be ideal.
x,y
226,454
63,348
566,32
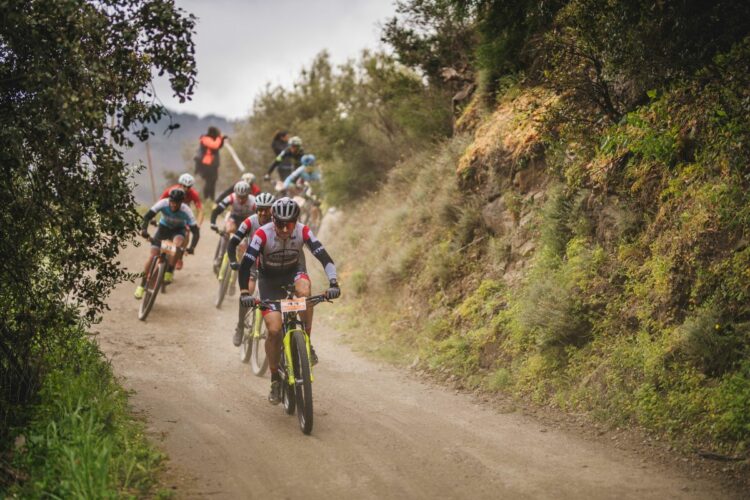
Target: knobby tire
x,y
303,390
154,283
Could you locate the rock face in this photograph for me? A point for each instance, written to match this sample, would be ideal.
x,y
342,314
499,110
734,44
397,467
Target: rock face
x,y
498,218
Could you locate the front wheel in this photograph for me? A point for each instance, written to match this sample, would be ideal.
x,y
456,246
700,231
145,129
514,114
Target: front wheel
x,y
225,277
302,382
258,360
154,281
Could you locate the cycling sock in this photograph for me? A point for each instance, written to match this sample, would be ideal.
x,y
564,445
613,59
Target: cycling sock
x,y
275,375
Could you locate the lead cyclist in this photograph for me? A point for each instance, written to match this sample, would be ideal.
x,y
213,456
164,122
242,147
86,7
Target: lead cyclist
x,y
278,244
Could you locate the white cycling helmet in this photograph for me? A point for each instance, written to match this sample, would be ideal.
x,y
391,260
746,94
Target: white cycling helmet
x,y
242,188
186,180
285,210
248,177
295,141
264,200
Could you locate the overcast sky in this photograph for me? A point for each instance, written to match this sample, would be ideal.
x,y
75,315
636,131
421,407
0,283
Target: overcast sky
x,y
243,44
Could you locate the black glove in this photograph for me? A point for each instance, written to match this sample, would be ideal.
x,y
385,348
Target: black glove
x,y
234,265
247,300
214,228
144,233
334,291
190,250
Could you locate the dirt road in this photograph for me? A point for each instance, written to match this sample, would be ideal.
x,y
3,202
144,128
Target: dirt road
x,y
378,433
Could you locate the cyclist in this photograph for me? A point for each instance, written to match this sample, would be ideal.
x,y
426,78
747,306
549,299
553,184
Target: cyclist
x,y
306,172
186,182
242,205
175,216
287,159
247,177
248,227
278,245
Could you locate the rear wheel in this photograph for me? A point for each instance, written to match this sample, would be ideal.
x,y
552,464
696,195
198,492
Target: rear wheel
x,y
302,382
154,281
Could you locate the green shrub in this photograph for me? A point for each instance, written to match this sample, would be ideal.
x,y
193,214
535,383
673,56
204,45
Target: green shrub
x,y
81,441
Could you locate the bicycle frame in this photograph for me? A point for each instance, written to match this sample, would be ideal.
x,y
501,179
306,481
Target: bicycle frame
x,y
296,325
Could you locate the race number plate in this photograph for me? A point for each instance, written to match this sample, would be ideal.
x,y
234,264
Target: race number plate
x,y
168,247
293,305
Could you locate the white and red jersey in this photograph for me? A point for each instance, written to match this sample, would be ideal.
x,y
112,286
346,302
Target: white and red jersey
x,y
247,228
239,209
279,255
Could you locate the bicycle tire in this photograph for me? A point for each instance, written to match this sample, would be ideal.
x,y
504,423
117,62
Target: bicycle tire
x,y
153,285
224,283
302,384
258,359
246,346
217,252
288,398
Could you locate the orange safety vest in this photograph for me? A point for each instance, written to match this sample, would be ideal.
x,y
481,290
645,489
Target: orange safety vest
x,y
211,145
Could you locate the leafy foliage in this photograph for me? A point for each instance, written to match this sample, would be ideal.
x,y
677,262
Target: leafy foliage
x,y
75,82
359,119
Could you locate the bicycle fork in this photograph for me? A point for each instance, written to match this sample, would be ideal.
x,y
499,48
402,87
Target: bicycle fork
x,y
290,359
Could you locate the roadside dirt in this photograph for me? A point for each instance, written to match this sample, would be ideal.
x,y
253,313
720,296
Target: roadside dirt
x,y
379,433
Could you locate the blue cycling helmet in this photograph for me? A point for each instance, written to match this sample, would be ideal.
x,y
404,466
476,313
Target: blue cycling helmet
x,y
308,160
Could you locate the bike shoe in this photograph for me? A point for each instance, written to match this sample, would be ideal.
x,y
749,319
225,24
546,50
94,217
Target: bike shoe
x,y
313,357
168,277
139,292
237,339
178,266
274,397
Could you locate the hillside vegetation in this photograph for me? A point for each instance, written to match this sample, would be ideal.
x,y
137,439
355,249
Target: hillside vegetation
x,y
580,239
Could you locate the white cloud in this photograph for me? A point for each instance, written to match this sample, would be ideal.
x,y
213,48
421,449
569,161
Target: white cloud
x,y
242,45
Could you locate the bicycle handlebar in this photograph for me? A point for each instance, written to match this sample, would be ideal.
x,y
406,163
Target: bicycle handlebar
x,y
314,300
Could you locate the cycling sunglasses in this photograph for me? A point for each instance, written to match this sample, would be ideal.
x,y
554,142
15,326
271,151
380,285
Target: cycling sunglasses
x,y
289,225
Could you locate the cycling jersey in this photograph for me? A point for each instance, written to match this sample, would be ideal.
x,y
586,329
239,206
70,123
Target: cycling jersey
x,y
182,217
248,227
285,161
301,173
239,209
280,256
191,195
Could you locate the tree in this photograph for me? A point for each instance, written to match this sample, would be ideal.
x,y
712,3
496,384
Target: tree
x,y
75,83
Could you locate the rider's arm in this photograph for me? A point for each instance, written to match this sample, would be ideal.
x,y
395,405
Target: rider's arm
x,y
320,253
277,160
158,206
293,177
196,236
250,257
224,194
220,207
237,238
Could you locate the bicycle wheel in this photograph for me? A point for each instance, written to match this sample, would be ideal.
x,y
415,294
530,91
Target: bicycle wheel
x,y
287,392
246,346
258,360
218,253
153,285
226,276
302,383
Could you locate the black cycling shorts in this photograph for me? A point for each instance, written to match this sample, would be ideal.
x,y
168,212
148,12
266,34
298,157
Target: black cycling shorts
x,y
166,233
270,285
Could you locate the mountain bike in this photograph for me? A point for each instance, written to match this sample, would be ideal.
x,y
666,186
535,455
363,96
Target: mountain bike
x,y
294,368
252,348
155,277
221,247
226,274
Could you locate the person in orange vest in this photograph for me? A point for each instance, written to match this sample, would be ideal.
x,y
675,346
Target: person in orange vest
x,y
207,160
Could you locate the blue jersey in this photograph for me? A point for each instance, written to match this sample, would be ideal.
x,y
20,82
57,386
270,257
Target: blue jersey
x,y
173,220
301,173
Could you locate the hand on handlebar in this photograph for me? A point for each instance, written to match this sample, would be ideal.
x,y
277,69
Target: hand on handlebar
x,y
190,251
334,291
234,265
247,300
144,233
214,228
267,177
